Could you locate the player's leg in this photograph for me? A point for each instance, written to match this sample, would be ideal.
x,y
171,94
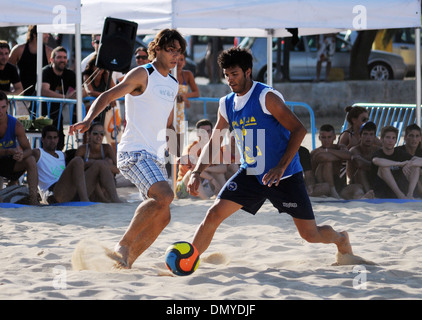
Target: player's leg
x,y
30,165
312,233
241,191
385,174
325,173
150,218
99,172
219,211
290,196
412,177
72,182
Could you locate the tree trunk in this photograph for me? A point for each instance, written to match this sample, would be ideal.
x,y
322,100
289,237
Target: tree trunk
x,y
360,54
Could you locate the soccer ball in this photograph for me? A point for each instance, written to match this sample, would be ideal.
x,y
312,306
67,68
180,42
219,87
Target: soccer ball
x,y
182,258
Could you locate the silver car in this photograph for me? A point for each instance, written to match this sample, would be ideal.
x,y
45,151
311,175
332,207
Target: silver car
x,y
303,60
404,45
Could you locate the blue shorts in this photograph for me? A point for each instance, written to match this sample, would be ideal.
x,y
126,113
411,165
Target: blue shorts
x,y
289,196
141,168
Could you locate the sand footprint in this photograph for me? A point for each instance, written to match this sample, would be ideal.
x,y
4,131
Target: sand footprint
x,y
350,259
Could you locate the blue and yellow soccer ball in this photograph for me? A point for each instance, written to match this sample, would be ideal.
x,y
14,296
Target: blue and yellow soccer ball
x,y
182,258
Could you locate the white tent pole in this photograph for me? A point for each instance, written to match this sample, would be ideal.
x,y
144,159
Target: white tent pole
x,y
270,57
418,75
40,53
172,157
78,74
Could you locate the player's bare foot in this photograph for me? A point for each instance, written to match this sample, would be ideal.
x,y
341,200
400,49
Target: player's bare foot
x,y
344,246
369,195
120,256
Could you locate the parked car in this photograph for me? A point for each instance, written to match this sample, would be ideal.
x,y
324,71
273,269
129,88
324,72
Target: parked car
x,y
303,59
197,50
404,45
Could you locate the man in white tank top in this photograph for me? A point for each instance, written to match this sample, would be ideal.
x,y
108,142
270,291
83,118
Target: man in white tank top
x,y
150,92
59,182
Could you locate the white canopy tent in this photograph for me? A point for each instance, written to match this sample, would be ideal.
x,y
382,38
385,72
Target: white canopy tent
x,y
28,12
53,14
257,18
249,17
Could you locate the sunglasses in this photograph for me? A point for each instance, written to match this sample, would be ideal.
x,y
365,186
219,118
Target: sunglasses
x,y
96,41
137,57
98,133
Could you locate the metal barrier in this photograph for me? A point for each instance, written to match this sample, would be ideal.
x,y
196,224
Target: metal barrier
x,y
35,103
291,104
205,101
388,114
34,109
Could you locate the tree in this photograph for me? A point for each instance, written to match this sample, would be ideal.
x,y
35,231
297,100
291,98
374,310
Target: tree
x,y
9,33
360,53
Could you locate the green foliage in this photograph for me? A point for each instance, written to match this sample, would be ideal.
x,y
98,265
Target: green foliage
x,y
9,33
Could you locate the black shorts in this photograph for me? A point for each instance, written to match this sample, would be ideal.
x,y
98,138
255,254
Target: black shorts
x,y
7,165
289,196
383,191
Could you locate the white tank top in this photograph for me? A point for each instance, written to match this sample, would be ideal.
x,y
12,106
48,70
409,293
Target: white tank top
x,y
147,114
50,169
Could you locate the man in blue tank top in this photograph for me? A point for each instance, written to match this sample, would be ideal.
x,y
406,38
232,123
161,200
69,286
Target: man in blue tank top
x,y
15,151
268,136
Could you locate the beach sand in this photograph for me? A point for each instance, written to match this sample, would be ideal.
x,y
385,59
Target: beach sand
x,y
257,257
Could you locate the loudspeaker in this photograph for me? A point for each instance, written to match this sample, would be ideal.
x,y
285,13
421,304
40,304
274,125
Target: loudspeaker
x,y
116,45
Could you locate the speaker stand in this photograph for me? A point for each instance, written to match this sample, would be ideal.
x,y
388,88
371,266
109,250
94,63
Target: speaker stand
x,y
103,113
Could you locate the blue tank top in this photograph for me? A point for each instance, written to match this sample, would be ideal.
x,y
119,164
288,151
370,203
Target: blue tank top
x,y
261,139
9,139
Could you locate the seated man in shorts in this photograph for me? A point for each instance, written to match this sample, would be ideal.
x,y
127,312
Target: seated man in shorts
x,y
360,163
395,172
15,151
327,161
61,183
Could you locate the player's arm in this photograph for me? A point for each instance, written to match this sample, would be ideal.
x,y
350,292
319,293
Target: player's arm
x,y
134,82
287,119
382,162
18,88
357,159
22,140
341,152
206,157
16,54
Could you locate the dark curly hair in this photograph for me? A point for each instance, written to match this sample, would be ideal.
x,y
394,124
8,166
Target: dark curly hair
x,y
165,39
235,57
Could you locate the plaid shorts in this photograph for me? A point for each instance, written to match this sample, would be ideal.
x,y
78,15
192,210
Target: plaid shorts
x,y
141,168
